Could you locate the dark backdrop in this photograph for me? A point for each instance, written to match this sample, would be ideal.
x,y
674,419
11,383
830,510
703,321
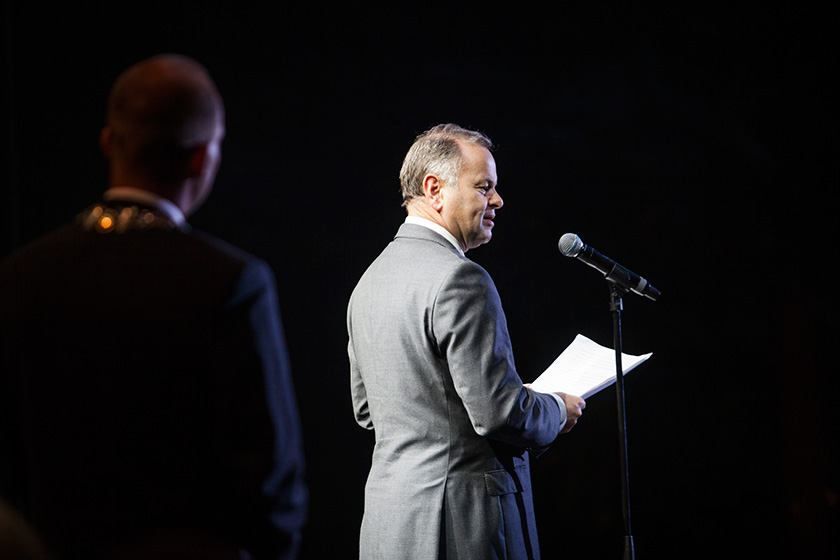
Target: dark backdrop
x,y
696,146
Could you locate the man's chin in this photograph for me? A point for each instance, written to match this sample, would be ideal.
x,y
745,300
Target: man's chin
x,y
482,240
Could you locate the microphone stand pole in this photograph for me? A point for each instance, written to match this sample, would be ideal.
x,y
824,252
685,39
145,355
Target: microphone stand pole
x,y
616,306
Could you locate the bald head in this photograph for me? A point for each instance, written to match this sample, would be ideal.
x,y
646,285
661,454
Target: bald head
x,y
160,111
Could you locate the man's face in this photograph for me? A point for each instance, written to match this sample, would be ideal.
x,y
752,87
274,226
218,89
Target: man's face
x,y
470,207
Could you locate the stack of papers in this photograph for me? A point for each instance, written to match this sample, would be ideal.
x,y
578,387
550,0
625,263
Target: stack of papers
x,y
583,369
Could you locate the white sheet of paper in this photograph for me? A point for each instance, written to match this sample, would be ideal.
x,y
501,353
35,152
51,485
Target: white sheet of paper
x,y
584,368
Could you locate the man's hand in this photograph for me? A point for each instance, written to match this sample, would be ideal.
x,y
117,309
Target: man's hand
x,y
574,409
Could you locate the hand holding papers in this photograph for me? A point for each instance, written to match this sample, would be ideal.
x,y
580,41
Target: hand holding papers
x,y
583,369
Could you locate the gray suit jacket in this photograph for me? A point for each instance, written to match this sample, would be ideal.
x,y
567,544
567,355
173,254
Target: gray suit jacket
x,y
432,372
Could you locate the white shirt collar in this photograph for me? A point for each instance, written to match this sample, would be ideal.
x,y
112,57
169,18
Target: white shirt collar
x,y
437,228
141,196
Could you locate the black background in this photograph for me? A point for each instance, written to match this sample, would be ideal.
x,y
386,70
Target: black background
x,y
694,145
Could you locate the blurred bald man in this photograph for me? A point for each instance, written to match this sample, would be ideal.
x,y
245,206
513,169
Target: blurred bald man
x,y
147,404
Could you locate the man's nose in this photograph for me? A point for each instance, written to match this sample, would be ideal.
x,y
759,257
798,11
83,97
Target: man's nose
x,y
496,200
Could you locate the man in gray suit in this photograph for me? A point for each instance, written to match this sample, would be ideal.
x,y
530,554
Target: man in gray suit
x,y
432,372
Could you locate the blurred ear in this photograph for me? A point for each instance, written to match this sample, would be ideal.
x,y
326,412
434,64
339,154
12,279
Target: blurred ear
x,y
105,141
195,161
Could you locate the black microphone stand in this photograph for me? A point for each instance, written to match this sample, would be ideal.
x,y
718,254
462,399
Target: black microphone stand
x,y
616,305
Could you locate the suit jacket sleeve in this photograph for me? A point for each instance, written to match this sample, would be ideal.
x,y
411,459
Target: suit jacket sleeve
x,y
263,436
357,391
470,330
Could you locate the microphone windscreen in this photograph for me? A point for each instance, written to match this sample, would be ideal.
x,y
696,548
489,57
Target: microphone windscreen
x,y
570,245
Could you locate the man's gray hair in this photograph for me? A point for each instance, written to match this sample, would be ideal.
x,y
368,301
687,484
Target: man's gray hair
x,y
436,151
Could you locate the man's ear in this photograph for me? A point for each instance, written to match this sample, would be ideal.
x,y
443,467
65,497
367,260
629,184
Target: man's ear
x,y
105,141
195,161
432,190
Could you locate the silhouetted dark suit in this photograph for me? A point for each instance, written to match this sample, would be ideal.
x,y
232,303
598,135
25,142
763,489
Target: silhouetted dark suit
x,y
145,391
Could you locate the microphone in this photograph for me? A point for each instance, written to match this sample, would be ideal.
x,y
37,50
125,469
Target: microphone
x,y
571,246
